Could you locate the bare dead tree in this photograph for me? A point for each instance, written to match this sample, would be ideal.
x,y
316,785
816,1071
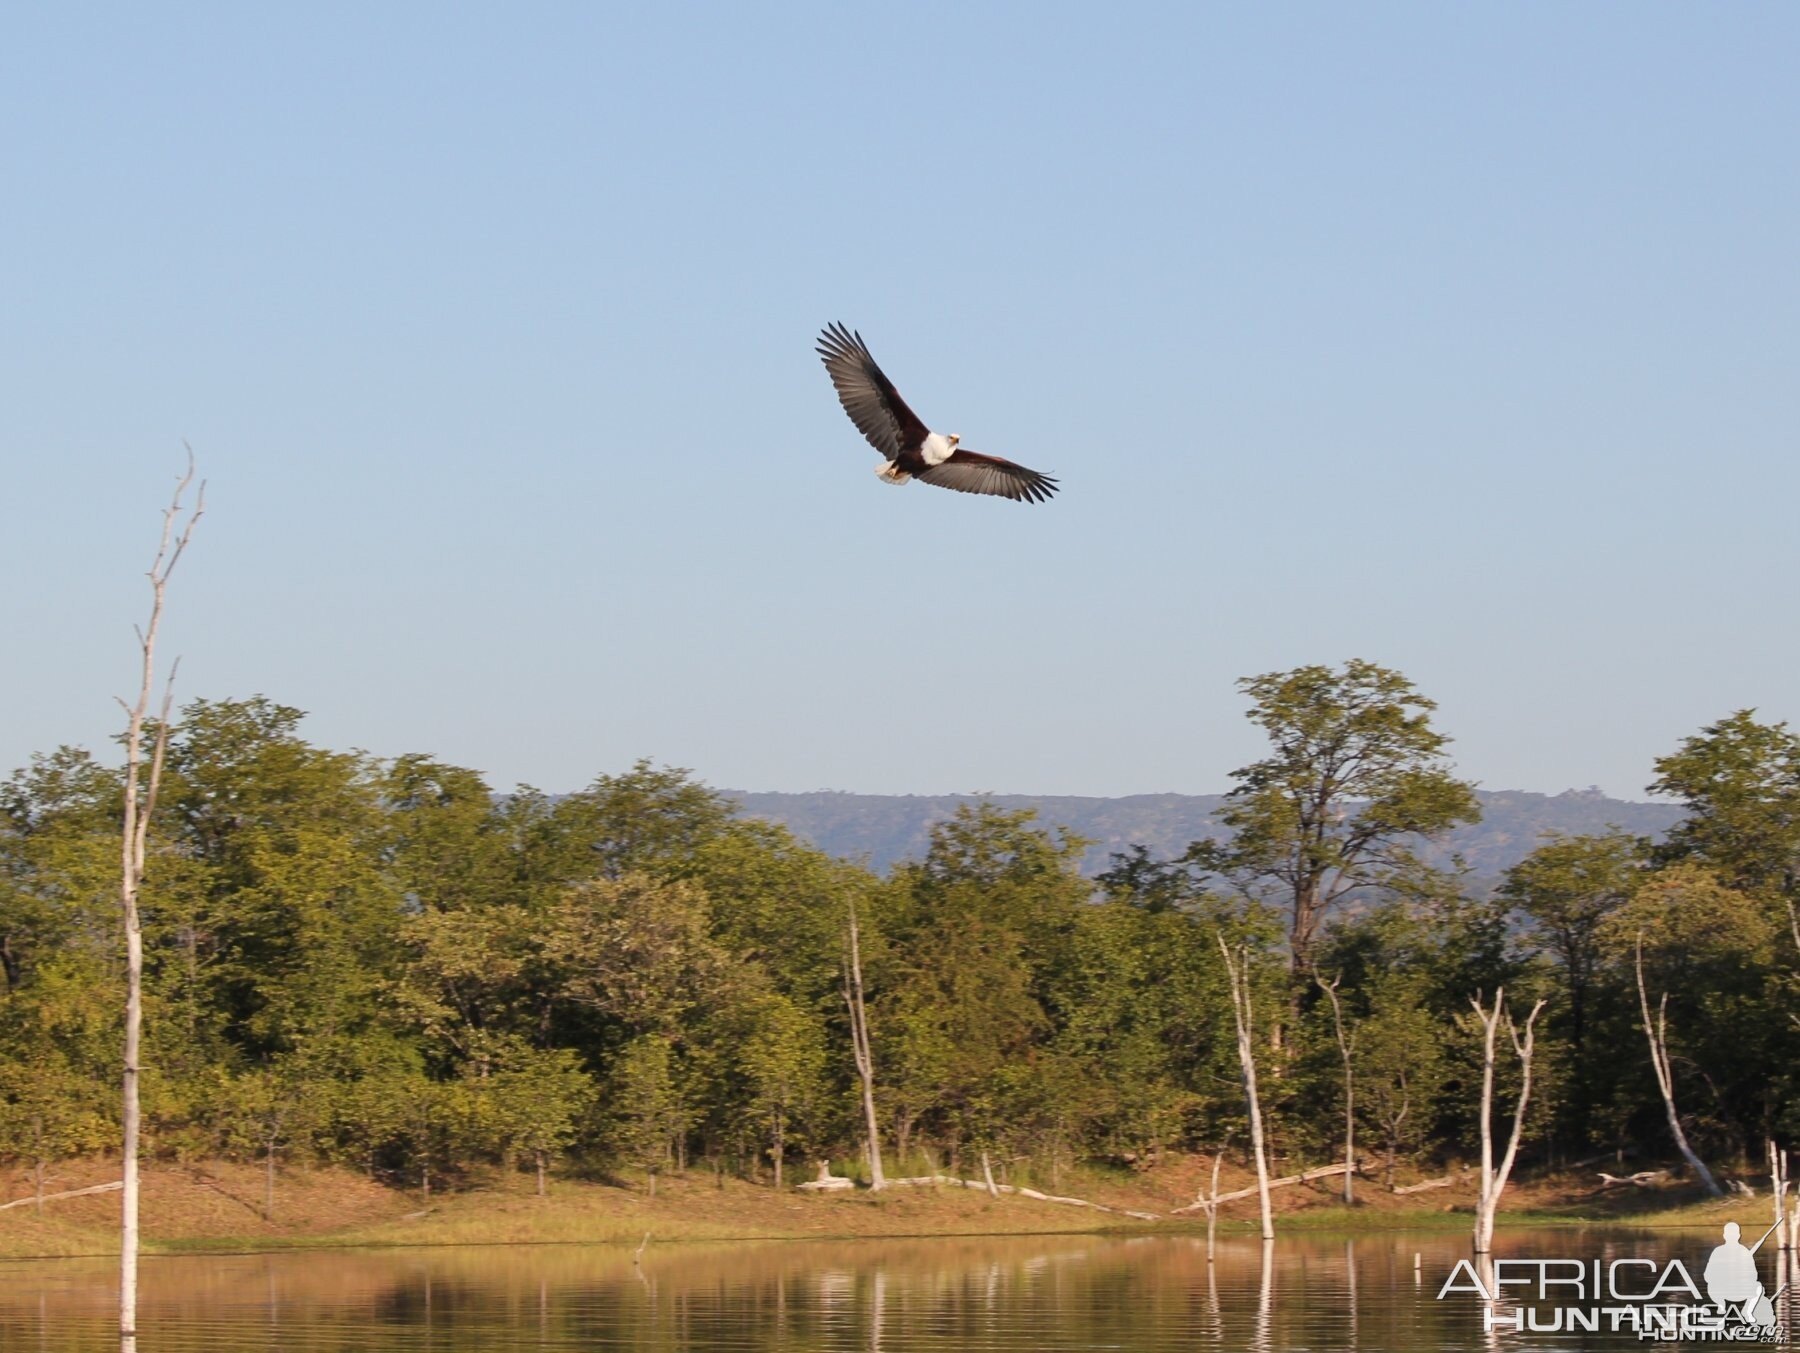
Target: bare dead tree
x,y
1265,1298
865,1058
1778,1187
1237,966
141,786
1656,1032
1210,1201
1347,1047
1493,1181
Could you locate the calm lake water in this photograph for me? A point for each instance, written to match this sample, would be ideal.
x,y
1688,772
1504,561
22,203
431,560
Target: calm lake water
x,y
1012,1293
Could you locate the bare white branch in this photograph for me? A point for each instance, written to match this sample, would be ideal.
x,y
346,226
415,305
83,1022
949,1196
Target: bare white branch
x,y
1237,967
139,809
1656,1032
1494,1179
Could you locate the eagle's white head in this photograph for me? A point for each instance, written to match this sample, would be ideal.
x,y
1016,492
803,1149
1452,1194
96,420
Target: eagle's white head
x,y
937,447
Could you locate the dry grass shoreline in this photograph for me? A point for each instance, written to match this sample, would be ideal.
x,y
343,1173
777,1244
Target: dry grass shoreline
x,y
216,1206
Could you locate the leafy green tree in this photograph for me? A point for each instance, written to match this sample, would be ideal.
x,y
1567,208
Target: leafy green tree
x,y
1740,780
635,950
59,1005
385,964
1000,867
780,1048
300,913
533,1104
50,1110
1445,946
466,981
261,1112
1139,879
450,846
1707,951
1400,1066
437,1122
958,1017
364,1119
1138,1003
355,1082
1568,887
649,820
1356,775
58,864
646,1112
780,903
977,933
404,1120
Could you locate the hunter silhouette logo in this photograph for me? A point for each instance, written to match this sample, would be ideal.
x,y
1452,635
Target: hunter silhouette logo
x,y
1636,1296
1732,1282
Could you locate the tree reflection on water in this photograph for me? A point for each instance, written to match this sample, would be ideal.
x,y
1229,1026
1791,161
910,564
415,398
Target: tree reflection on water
x,y
1046,1292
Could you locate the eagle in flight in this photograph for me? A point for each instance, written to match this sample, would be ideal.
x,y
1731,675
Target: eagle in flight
x,y
913,450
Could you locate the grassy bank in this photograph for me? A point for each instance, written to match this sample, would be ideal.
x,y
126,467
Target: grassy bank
x,y
218,1206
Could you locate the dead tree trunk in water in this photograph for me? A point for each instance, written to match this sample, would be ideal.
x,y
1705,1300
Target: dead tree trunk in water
x,y
1493,1181
1211,1201
1238,969
1778,1187
865,1059
1657,1033
141,785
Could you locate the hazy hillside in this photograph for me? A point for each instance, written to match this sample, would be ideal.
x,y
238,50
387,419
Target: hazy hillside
x,y
890,827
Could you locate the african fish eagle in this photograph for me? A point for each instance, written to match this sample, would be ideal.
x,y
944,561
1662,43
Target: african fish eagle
x,y
913,450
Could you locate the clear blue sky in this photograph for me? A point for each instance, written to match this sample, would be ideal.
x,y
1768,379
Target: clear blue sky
x,y
1459,338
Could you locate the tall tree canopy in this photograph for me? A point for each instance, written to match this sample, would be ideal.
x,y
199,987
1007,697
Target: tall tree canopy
x,y
386,964
1740,780
1356,773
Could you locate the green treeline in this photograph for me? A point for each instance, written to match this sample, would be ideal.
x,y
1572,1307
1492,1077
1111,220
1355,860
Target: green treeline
x,y
386,965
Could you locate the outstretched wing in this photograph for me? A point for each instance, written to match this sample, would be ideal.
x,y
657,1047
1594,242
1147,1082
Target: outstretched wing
x,y
868,396
971,472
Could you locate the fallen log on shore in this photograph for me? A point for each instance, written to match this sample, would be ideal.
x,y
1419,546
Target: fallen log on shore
x,y
1441,1182
113,1187
1323,1172
1643,1179
951,1181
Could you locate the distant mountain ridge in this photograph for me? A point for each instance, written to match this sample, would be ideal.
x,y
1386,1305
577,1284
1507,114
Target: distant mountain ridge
x,y
887,828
